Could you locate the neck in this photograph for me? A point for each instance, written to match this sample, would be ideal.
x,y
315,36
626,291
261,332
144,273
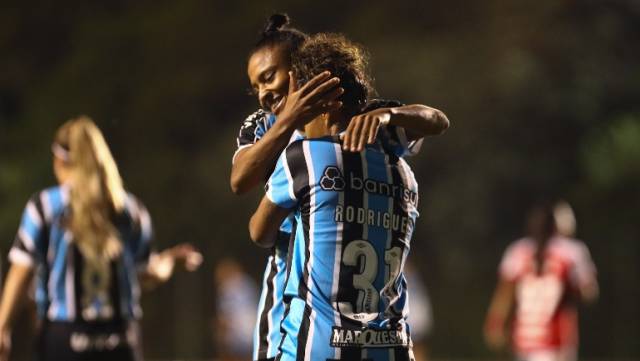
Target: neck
x,y
324,125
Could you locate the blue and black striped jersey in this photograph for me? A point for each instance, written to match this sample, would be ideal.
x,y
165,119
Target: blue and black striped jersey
x,y
355,215
271,307
253,129
67,287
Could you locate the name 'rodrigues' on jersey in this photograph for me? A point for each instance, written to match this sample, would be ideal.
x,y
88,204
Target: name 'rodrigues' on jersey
x,y
355,216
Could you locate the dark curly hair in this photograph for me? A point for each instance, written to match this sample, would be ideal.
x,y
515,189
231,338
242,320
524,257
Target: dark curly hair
x,y
344,59
277,32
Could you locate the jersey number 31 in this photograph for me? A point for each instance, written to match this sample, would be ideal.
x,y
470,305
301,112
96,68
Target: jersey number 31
x,y
366,304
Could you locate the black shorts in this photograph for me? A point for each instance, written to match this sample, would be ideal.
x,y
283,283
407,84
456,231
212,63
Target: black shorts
x,y
84,341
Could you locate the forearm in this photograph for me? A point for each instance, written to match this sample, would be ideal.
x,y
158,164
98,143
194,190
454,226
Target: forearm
x,y
418,120
500,307
253,163
158,271
265,223
259,232
14,294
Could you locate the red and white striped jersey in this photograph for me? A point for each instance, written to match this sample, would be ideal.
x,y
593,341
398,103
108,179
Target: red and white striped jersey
x,y
545,316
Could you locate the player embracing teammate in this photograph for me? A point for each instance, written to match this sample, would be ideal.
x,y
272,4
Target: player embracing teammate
x,y
344,296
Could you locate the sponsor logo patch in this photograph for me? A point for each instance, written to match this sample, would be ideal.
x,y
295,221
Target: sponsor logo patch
x,y
342,337
332,180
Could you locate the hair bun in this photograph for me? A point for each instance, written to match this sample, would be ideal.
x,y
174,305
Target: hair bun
x,y
276,22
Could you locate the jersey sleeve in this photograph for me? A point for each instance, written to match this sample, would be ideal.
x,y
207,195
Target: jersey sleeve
x,y
583,271
29,246
394,138
512,263
279,188
253,129
287,182
142,236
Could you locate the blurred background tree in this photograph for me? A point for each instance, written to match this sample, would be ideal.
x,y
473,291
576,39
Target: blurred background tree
x,y
543,99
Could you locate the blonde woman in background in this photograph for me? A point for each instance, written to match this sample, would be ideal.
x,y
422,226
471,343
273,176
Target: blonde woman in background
x,y
86,241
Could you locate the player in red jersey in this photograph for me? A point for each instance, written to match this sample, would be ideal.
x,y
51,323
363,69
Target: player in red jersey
x,y
542,277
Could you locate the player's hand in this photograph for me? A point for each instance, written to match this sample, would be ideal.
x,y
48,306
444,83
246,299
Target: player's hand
x,y
495,338
186,255
319,95
363,129
5,344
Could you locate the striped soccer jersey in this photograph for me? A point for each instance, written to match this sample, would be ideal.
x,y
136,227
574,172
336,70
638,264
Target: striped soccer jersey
x,y
546,315
68,288
355,213
271,307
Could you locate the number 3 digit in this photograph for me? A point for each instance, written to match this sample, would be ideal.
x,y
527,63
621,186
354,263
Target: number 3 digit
x,y
366,304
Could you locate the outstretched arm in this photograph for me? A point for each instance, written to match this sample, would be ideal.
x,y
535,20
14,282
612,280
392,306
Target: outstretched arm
x,y
162,265
417,120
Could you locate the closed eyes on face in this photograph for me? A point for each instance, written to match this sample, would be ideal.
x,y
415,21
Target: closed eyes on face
x,y
268,73
265,77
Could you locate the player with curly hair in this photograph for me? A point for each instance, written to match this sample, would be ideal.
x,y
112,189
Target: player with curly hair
x,y
355,213
261,140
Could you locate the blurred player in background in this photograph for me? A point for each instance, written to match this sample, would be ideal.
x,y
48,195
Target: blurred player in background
x,y
86,242
237,297
161,266
355,214
420,311
543,276
261,139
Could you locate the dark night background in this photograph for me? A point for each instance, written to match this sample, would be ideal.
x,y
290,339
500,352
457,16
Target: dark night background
x,y
543,98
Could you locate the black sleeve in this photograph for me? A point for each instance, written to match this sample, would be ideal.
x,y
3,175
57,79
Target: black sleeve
x,y
253,128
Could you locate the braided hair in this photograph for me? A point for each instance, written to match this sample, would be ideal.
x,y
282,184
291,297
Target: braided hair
x,y
541,227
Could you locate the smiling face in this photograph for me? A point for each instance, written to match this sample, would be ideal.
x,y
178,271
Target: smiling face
x,y
268,71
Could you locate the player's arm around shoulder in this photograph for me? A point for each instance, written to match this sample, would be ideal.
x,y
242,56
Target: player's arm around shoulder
x,y
417,120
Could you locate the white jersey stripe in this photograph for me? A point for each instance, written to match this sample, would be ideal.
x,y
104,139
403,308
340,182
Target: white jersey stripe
x,y
18,256
27,240
338,254
46,206
34,215
312,222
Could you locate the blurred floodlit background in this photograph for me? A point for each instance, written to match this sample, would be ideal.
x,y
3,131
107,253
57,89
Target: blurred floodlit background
x,y
543,96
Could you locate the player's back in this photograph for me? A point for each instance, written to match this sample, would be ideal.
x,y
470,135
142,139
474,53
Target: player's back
x,y
44,239
355,215
546,314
